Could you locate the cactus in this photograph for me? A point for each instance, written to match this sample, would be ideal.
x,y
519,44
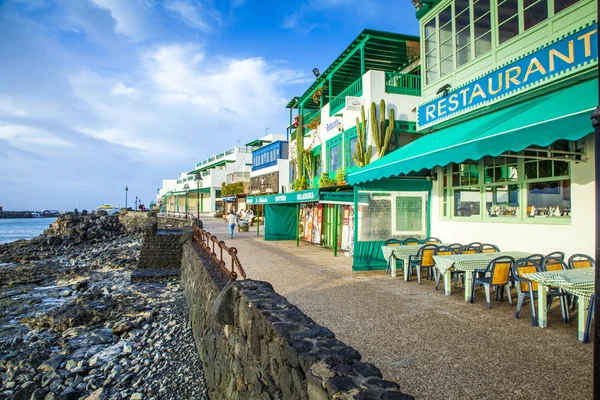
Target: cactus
x,y
300,146
363,153
381,135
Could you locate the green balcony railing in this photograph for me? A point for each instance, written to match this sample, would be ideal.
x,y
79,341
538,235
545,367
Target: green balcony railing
x,y
339,101
309,117
402,84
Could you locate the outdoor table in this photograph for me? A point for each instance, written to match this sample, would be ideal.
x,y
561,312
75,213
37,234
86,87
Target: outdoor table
x,y
402,253
468,263
579,282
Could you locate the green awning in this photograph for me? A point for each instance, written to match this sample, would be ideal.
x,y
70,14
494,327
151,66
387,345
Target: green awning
x,y
305,196
337,197
562,114
201,190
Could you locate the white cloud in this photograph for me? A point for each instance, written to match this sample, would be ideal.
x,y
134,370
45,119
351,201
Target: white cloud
x,y
121,89
24,137
7,107
196,15
128,17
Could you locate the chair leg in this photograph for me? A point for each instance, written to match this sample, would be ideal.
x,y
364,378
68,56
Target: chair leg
x,y
388,268
488,296
534,320
588,321
437,278
508,294
520,299
473,290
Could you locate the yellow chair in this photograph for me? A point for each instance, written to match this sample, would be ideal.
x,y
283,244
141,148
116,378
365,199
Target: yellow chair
x,y
525,287
496,274
581,261
489,248
423,260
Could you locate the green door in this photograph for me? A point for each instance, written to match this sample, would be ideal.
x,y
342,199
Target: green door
x,y
331,225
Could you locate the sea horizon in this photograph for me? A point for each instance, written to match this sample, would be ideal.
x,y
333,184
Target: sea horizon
x,y
14,229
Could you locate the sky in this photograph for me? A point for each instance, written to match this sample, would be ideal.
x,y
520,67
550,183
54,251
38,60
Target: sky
x,y
97,95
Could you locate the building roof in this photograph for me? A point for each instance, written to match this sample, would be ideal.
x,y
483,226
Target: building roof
x,y
383,51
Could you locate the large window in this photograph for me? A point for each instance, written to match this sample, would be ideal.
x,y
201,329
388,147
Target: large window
x,y
334,152
384,215
462,31
268,155
350,139
519,187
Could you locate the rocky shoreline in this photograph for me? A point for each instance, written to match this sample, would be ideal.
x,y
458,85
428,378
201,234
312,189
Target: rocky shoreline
x,y
73,326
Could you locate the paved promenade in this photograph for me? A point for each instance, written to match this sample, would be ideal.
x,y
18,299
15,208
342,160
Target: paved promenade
x,y
434,346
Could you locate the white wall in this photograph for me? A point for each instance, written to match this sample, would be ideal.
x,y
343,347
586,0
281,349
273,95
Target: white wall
x,y
578,237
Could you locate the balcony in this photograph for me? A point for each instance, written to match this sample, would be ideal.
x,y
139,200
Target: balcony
x,y
268,155
339,102
402,84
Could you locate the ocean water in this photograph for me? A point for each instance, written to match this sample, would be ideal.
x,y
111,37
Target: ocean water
x,y
22,228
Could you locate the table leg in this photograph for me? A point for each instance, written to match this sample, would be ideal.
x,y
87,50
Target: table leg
x,y
583,304
448,283
468,285
393,267
406,269
542,306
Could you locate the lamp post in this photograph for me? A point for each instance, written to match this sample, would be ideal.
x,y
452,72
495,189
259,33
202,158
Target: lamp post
x,y
186,188
126,190
198,180
136,203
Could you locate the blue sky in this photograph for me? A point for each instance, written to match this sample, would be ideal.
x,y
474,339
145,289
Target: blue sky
x,y
96,95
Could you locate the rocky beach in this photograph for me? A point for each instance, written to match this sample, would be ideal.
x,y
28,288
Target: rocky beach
x,y
73,326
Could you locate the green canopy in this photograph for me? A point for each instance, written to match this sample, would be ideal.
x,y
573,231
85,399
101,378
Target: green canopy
x,y
310,195
281,223
562,114
337,197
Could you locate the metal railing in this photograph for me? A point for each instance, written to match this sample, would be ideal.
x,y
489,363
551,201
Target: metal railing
x,y
215,248
339,102
402,84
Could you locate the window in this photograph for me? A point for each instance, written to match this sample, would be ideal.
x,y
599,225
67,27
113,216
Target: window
x,y
384,215
334,150
431,51
519,187
334,158
350,139
560,5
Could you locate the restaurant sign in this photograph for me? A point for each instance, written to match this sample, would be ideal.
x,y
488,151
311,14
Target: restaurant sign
x,y
304,196
557,58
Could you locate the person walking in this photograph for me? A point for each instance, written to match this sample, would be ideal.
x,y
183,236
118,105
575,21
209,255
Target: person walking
x,y
231,221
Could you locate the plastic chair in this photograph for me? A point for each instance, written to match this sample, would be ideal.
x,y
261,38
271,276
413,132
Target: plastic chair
x,y
581,261
588,322
468,249
411,242
489,248
537,258
556,264
525,287
456,247
477,245
495,275
446,251
423,259
556,254
392,242
432,240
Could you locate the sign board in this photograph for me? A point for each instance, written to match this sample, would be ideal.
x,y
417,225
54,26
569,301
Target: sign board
x,y
560,57
305,196
267,183
332,125
353,103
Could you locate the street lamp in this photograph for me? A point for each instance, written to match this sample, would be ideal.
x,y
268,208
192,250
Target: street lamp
x,y
198,179
126,190
136,203
186,188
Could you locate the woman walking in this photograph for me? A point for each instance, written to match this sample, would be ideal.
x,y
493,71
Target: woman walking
x,y
231,222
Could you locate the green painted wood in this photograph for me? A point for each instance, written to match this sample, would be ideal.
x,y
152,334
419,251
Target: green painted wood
x,y
402,84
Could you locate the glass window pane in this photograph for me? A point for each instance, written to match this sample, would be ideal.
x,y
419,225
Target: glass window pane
x,y
483,25
445,203
508,30
460,6
561,168
446,49
507,10
483,44
446,66
333,159
431,75
446,32
352,151
535,14
544,169
467,202
549,199
480,8
430,44
430,28
560,5
502,201
409,214
463,38
463,56
445,16
431,59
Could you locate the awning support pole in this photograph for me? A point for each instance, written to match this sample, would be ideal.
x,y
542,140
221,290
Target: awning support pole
x,y
258,221
335,229
298,225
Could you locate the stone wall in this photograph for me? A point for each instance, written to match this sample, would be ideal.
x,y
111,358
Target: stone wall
x,y
176,223
256,345
161,249
135,221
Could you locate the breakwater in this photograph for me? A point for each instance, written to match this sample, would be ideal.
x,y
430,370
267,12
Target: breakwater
x,y
25,214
